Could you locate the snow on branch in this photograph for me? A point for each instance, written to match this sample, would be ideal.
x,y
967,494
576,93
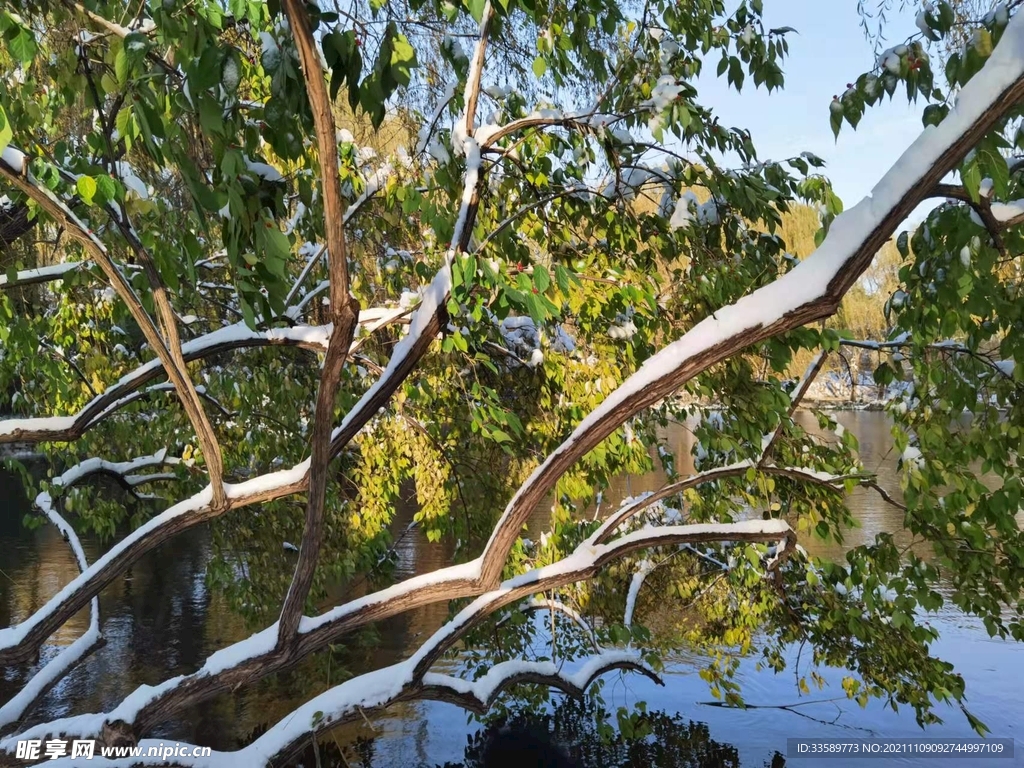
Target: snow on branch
x,y
121,470
20,704
478,696
237,336
41,274
635,584
632,507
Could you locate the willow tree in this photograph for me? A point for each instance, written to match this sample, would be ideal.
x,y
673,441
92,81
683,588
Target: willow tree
x,y
247,311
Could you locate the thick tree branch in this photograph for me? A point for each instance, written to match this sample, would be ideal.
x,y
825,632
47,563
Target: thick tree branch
x,y
189,397
982,206
344,314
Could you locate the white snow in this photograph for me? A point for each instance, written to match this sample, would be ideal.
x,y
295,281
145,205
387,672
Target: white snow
x,y
1004,212
681,216
645,567
1006,367
912,457
264,171
427,130
922,23
93,465
14,159
891,61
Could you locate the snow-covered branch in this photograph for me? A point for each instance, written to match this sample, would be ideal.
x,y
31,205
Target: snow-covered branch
x,y
1001,368
41,275
635,584
632,507
20,704
237,336
479,695
119,470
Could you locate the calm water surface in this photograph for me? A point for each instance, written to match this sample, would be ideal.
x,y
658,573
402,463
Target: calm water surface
x,y
160,620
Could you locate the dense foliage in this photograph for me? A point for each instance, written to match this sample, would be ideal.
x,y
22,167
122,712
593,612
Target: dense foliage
x,y
614,213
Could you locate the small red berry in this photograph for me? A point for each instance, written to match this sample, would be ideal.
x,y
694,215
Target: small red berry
x,y
535,290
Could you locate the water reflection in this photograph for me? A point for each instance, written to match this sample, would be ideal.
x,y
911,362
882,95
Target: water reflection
x,y
160,620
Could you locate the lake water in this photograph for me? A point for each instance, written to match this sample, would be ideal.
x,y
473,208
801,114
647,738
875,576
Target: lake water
x,y
160,620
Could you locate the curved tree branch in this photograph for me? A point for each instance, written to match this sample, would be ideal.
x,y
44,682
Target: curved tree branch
x,y
238,336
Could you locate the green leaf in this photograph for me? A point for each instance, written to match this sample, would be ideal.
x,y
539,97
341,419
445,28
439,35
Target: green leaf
x,y
903,244
86,186
971,176
562,278
23,46
535,307
121,66
403,59
539,66
541,278
107,189
476,9
6,134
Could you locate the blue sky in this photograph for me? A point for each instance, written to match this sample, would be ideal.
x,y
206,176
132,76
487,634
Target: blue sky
x,y
829,51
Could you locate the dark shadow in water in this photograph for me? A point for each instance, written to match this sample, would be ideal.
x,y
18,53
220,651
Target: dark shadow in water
x,y
567,737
